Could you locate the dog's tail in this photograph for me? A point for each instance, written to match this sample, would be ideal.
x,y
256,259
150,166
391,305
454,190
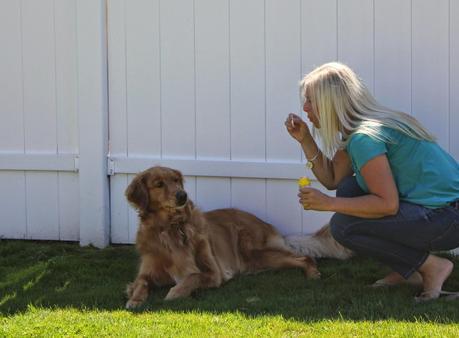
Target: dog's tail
x,y
319,245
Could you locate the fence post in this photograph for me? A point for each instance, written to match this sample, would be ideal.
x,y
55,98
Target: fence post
x,y
93,122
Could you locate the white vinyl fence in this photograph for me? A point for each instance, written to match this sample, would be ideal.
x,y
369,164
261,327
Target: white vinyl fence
x,y
94,91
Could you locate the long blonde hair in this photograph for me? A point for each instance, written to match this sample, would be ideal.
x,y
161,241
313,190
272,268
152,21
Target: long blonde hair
x,y
345,106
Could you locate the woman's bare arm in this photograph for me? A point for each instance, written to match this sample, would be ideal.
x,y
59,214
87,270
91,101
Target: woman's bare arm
x,y
381,201
328,172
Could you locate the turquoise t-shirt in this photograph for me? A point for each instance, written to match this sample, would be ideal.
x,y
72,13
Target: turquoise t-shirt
x,y
424,173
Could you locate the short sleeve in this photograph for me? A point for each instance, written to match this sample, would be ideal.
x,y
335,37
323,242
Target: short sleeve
x,y
363,148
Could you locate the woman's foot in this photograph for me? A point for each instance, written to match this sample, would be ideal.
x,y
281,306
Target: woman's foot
x,y
434,271
394,278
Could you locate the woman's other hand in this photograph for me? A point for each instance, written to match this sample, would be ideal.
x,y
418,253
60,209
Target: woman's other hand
x,y
296,127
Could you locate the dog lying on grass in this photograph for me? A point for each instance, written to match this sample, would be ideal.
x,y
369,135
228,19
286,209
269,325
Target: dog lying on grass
x,y
180,245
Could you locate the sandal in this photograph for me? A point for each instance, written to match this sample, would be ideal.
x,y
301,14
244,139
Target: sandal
x,y
429,295
380,283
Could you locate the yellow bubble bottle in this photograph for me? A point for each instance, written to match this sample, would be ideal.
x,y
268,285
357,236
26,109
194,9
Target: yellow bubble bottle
x,y
304,182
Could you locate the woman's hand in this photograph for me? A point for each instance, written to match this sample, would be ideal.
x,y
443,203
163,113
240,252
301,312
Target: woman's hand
x,y
313,199
296,127
382,199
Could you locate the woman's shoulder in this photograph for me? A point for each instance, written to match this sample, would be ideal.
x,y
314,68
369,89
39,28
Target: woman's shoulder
x,y
364,137
380,134
360,143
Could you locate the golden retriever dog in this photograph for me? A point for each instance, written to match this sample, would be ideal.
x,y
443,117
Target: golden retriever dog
x,y
188,249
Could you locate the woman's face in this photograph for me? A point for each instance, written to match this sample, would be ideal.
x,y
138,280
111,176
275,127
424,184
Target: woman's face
x,y
310,112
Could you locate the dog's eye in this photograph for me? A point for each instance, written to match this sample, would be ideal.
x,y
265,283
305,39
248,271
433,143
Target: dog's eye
x,y
159,184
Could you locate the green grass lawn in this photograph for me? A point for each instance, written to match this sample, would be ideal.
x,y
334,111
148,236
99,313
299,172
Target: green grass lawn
x,y
60,289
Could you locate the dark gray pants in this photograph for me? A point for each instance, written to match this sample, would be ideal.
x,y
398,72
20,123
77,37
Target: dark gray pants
x,y
403,241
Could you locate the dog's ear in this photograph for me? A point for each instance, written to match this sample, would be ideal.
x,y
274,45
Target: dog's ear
x,y
137,193
180,175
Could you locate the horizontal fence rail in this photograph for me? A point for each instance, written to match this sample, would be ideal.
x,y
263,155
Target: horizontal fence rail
x,y
39,162
211,168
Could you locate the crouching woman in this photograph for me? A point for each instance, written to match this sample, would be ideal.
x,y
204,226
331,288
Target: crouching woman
x,y
397,190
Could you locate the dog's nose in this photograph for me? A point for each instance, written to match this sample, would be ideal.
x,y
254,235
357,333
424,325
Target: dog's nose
x,y
181,197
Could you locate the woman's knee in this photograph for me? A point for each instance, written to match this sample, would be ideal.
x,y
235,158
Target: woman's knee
x,y
338,228
348,187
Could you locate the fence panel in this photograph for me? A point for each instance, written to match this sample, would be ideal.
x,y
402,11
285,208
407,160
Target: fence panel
x,y
39,117
430,66
283,69
212,97
318,45
393,53
12,194
356,37
247,104
237,76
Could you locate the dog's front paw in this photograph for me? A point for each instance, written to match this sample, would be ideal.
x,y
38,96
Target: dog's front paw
x,y
133,303
310,268
174,293
130,290
137,293
313,273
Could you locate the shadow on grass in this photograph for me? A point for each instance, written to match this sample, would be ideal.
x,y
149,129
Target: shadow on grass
x,y
62,275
